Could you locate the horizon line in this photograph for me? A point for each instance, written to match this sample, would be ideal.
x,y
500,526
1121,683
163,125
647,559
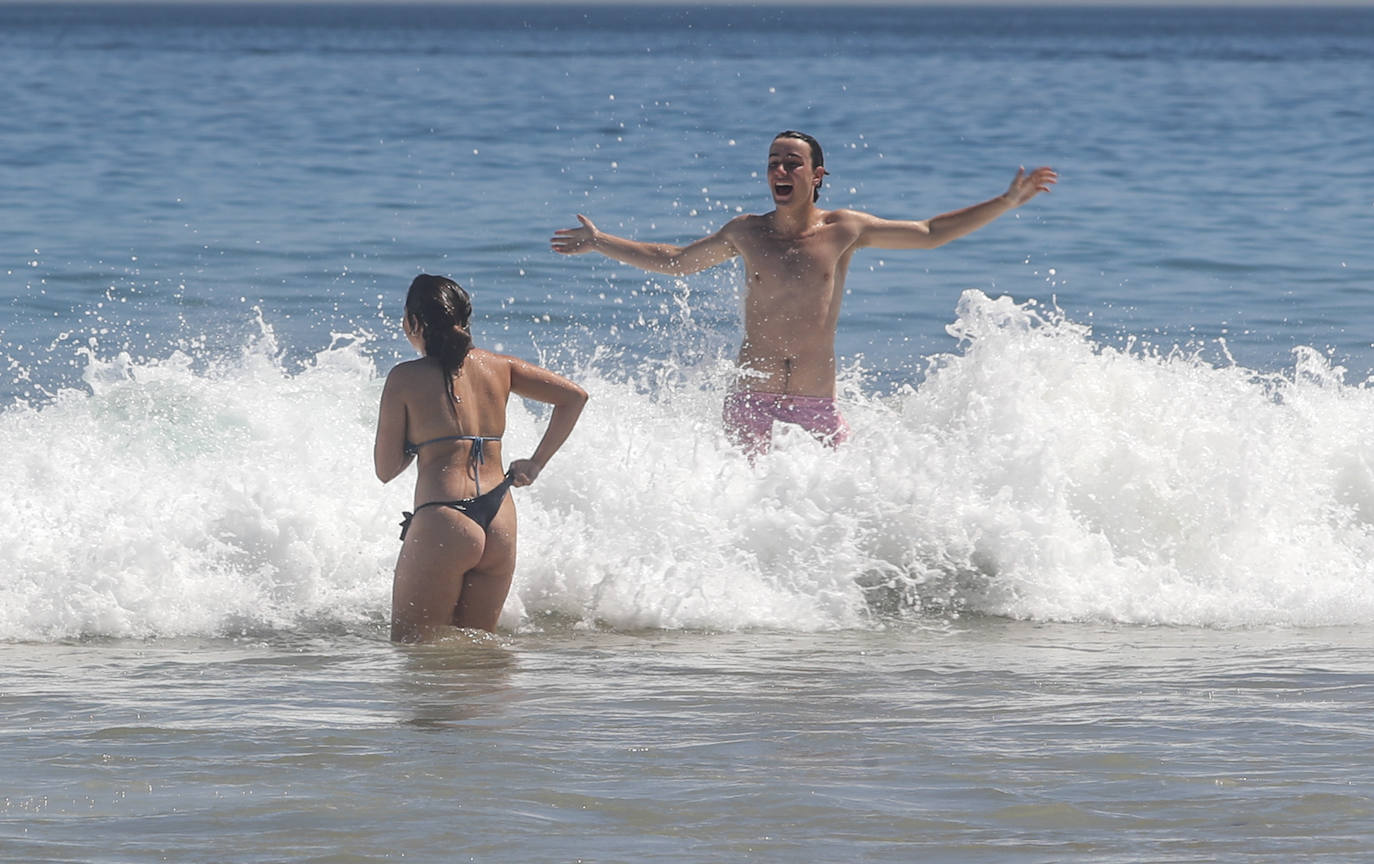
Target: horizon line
x,y
1213,5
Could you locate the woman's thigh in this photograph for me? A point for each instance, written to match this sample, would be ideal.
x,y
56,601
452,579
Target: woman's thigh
x,y
440,548
487,584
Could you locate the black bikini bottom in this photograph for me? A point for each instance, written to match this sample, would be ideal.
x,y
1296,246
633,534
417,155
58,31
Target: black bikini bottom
x,y
481,509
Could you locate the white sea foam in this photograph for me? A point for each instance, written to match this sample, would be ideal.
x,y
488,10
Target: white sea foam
x,y
1033,473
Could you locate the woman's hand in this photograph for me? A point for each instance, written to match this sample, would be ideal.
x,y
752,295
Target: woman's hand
x,y
524,471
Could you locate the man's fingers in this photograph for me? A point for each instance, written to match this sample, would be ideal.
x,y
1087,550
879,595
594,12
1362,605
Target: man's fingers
x,y
566,239
1042,178
569,239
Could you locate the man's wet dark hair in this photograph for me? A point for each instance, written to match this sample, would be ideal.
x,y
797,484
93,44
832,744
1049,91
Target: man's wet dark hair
x,y
817,156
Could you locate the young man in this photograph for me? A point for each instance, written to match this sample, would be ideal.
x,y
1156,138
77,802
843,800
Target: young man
x,y
795,260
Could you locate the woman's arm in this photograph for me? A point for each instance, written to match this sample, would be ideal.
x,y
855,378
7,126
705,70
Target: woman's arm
x,y
389,456
533,382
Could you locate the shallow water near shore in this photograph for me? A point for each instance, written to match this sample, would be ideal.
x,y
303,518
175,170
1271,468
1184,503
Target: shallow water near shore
x,y
971,740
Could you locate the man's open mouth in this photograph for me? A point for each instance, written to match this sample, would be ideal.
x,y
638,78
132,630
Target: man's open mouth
x,y
782,188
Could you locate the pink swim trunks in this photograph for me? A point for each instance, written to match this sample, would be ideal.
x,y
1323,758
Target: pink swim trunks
x,y
749,416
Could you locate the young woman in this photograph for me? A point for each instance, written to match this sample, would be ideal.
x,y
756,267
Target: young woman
x,y
447,410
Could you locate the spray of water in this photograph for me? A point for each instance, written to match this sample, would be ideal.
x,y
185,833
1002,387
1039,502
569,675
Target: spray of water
x,y
1033,473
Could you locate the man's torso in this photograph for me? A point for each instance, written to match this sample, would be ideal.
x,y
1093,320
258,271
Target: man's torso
x,y
793,289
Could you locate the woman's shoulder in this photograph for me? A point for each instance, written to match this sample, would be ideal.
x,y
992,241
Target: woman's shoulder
x,y
489,360
485,356
411,368
411,373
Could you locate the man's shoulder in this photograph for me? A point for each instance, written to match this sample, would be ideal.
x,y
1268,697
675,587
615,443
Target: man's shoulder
x,y
845,215
745,222
742,228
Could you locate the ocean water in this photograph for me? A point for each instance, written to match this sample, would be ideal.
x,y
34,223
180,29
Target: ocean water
x,y
1092,580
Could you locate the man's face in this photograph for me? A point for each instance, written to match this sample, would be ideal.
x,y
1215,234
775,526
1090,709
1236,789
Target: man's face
x,y
790,175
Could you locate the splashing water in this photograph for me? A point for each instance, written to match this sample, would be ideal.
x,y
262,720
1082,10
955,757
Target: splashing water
x,y
1033,474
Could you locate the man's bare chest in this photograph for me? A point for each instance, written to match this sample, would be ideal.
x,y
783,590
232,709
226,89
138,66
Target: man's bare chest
x,y
810,259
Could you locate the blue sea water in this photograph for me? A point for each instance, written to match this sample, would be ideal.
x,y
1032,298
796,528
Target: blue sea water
x,y
1091,581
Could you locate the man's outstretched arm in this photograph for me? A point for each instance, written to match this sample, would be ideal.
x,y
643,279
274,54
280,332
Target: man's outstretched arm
x,y
930,233
655,257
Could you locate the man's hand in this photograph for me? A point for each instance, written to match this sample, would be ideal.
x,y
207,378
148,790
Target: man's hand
x,y
575,241
1026,186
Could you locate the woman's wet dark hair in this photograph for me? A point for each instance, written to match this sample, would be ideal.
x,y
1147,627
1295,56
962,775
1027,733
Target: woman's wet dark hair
x,y
442,310
817,156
